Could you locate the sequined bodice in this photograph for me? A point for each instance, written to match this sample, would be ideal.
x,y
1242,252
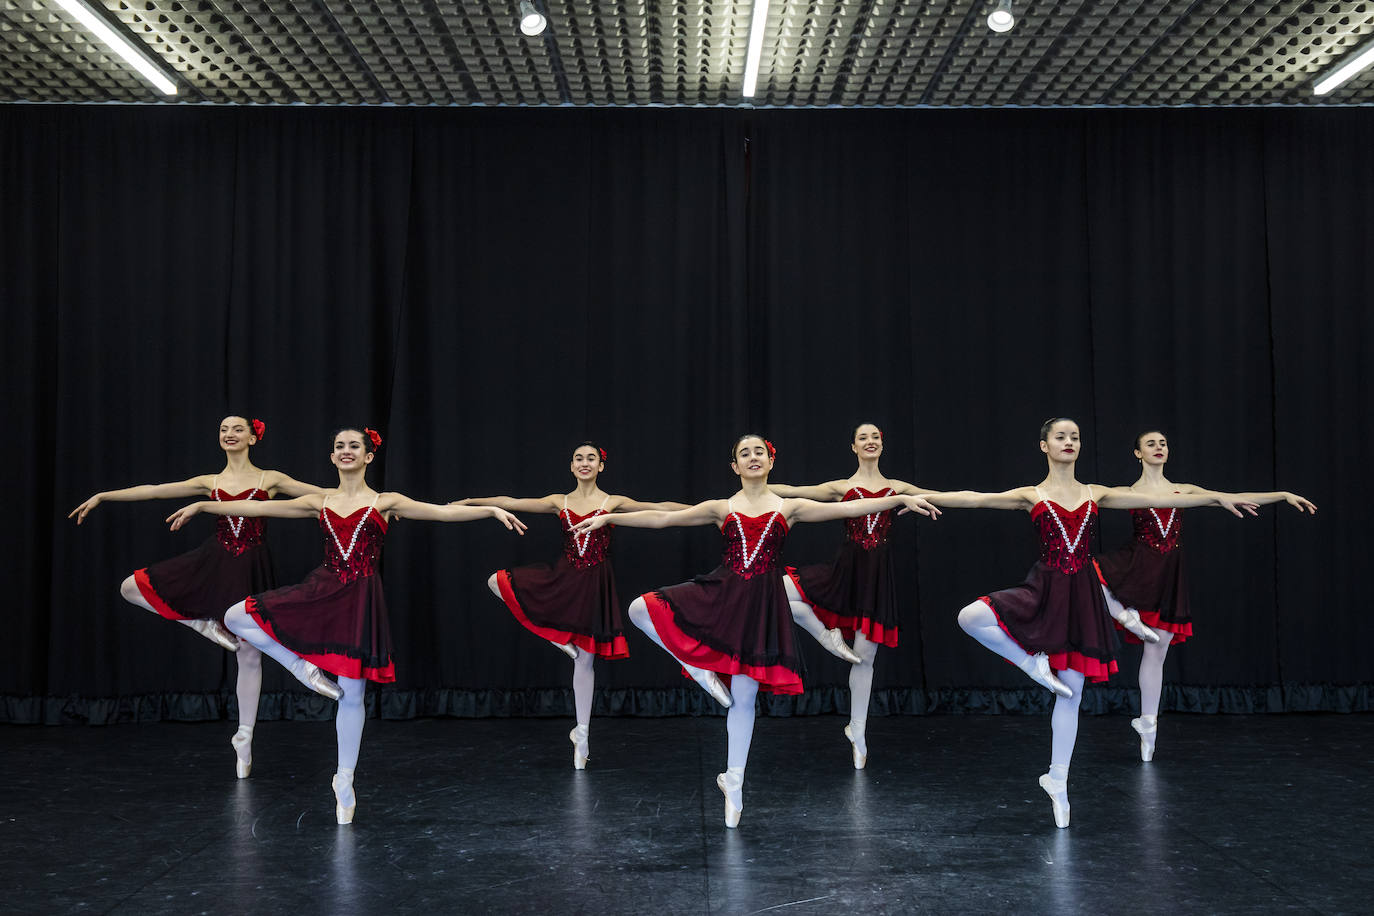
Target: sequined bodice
x,y
753,545
1159,528
584,550
236,533
1065,537
868,531
352,543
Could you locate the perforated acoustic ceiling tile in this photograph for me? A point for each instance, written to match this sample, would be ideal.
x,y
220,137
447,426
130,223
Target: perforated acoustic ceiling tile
x,y
851,53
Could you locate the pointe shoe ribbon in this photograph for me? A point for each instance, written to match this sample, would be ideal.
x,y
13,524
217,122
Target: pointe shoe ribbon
x,y
834,644
1039,671
1130,620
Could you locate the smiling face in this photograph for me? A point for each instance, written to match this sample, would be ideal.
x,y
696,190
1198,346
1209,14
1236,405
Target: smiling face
x,y
586,462
751,461
1152,448
351,450
1061,442
235,434
868,441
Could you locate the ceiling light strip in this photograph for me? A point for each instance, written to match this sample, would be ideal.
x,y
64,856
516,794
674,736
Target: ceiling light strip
x,y
1359,62
118,44
757,21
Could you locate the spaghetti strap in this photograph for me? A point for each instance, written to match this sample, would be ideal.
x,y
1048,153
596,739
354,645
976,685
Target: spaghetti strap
x,y
601,507
565,502
261,479
1040,497
214,485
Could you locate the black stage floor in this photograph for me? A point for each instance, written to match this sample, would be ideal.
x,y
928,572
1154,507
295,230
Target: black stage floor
x,y
1237,814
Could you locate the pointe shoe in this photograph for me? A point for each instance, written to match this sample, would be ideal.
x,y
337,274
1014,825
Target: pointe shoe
x,y
1148,732
1059,797
734,797
315,679
342,813
242,767
581,753
860,756
833,642
712,685
215,631
566,648
1039,671
1130,619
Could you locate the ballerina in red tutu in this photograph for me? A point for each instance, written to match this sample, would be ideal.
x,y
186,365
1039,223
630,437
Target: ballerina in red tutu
x,y
195,588
854,596
573,604
1054,626
1144,582
336,620
735,621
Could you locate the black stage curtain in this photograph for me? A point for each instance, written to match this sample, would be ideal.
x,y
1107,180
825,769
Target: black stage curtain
x,y
490,288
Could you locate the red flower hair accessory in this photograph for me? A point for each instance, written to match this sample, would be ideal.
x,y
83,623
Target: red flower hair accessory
x,y
603,454
772,452
259,428
375,436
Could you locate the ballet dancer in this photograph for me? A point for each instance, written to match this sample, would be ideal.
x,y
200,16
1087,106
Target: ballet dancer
x,y
336,619
735,620
1143,581
854,596
1054,626
573,605
195,588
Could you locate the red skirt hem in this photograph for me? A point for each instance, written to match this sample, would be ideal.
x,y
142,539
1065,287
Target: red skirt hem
x,y
150,595
689,651
873,630
616,648
336,664
1093,669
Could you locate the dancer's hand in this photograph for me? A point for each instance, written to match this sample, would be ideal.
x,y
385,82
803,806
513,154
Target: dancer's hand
x,y
183,515
919,504
1234,506
81,510
505,518
591,524
1299,503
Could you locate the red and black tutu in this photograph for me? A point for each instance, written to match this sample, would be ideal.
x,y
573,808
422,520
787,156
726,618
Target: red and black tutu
x,y
1059,610
336,618
735,619
1148,574
203,583
857,591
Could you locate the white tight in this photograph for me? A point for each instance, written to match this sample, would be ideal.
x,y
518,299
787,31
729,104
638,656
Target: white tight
x,y
860,675
248,685
584,685
739,720
1151,661
978,621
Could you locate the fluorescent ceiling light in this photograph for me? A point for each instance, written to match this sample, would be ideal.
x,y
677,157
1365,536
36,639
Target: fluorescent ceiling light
x,y
751,57
1351,67
118,44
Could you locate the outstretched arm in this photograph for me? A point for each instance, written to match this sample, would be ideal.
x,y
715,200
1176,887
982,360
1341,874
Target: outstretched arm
x,y
1126,498
277,482
405,507
1280,496
1019,498
300,507
808,510
194,486
545,504
827,492
625,504
710,512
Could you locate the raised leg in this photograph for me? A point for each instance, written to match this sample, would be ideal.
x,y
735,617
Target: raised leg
x,y
804,616
212,630
639,616
242,624
978,621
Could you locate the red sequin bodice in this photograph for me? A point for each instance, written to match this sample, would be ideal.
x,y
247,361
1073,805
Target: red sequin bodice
x,y
1065,544
868,531
584,550
1159,528
353,542
236,533
753,545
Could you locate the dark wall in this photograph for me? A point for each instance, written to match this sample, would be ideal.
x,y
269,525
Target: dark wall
x,y
490,288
